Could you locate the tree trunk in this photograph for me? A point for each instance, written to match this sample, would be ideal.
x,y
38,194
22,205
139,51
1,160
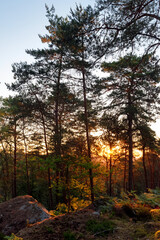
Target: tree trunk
x,y
57,130
107,170
125,168
49,170
14,192
145,170
130,130
68,189
87,134
26,159
7,171
110,171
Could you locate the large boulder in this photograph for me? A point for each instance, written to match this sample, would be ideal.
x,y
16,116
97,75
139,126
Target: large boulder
x,y
16,213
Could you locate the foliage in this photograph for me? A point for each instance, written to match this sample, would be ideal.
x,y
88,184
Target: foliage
x,y
139,233
100,227
155,214
76,204
68,235
157,234
143,213
14,237
152,199
140,207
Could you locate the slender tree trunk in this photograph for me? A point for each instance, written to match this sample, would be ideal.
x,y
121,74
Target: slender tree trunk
x,y
68,189
4,182
151,176
145,170
153,173
87,134
26,159
49,170
130,130
110,171
130,180
6,162
57,130
159,175
107,170
14,193
125,168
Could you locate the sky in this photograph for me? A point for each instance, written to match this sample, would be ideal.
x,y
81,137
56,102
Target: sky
x,y
20,23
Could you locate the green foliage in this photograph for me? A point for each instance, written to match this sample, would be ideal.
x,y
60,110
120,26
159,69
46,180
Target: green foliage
x,y
139,233
152,198
100,227
61,208
13,237
105,208
141,207
68,235
155,214
143,213
76,204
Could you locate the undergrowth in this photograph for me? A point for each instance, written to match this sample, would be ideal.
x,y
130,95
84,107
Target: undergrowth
x,y
100,227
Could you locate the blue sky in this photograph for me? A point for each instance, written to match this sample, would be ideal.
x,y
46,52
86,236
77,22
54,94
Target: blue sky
x,y
20,22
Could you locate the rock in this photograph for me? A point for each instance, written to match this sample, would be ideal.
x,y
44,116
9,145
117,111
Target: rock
x,y
16,213
96,214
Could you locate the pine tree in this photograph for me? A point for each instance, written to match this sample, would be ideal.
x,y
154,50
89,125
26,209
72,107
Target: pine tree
x,y
82,50
133,94
128,24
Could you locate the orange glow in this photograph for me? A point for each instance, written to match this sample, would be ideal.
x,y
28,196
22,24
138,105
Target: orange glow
x,y
104,150
137,153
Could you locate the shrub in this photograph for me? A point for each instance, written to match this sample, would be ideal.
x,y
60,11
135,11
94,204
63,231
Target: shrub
x,y
13,237
101,228
68,235
139,233
155,214
143,213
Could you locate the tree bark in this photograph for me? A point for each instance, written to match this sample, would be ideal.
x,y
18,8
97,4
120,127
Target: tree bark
x,y
125,168
57,130
26,159
14,192
107,170
145,170
49,170
87,134
110,171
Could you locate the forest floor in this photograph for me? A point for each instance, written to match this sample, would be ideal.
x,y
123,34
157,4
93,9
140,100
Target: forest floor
x,y
88,224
